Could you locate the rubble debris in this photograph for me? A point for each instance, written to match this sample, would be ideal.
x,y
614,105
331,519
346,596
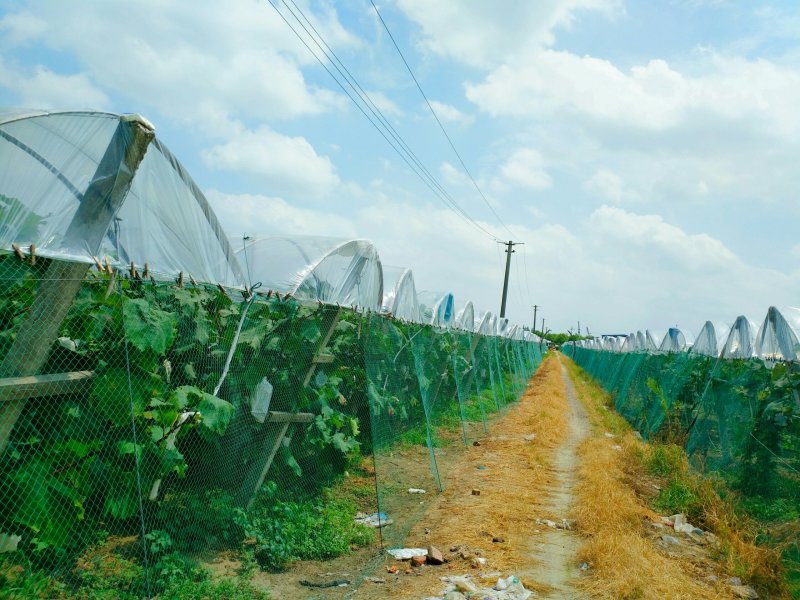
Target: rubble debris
x,y
435,556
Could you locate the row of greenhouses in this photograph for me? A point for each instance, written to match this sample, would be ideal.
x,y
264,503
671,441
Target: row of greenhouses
x,y
53,160
776,338
170,394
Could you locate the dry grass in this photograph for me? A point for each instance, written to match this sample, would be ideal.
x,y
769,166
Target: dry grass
x,y
611,509
512,484
625,562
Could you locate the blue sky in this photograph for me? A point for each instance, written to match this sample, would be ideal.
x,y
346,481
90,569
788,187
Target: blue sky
x,y
645,152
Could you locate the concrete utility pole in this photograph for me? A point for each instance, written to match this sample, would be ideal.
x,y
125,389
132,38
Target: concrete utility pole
x,y
535,308
509,251
579,329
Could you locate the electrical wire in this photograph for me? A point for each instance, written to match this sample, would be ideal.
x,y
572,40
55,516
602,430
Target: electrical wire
x,y
436,117
382,125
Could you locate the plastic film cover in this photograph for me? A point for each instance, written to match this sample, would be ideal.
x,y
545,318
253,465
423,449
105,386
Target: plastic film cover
x,y
706,342
465,318
674,341
400,294
741,339
331,270
50,160
437,308
486,324
776,338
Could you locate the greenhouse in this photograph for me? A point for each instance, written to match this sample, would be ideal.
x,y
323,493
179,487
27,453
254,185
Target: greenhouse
x,y
706,342
400,294
741,339
465,318
330,270
674,341
437,308
776,338
80,185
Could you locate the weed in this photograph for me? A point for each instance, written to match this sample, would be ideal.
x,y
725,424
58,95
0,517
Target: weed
x,y
679,497
199,520
227,589
19,581
665,460
285,531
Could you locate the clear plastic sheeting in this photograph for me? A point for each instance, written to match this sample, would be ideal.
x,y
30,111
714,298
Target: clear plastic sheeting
x,y
674,341
84,184
400,294
650,344
331,270
465,319
486,324
630,344
706,342
437,308
776,339
741,339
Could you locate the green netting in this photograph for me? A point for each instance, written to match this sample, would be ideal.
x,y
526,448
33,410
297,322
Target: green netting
x,y
149,428
739,418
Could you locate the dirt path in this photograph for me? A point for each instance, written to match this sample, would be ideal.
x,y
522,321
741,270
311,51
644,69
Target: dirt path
x,y
524,473
556,549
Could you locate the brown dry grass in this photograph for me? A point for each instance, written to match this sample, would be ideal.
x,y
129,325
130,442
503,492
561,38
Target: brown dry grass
x,y
624,561
512,485
614,517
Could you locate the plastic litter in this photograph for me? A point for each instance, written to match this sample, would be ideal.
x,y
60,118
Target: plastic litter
x,y
407,553
259,405
373,520
416,491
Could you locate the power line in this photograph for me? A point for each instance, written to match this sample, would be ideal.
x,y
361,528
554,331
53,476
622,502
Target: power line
x,y
382,125
435,116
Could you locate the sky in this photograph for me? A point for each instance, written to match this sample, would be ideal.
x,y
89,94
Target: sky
x,y
644,152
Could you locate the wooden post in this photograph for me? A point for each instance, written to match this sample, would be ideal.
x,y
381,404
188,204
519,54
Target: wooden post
x,y
270,439
61,282
272,442
319,357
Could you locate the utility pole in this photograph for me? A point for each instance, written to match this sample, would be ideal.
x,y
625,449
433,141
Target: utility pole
x,y
579,329
535,308
509,251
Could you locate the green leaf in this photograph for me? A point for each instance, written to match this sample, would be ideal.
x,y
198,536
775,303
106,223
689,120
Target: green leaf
x,y
217,414
149,329
291,462
310,331
114,398
122,501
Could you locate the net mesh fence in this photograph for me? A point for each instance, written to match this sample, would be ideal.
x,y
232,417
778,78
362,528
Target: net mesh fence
x,y
149,428
738,418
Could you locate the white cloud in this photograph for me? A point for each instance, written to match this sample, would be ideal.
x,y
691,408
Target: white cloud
x,y
385,105
653,96
45,89
452,174
610,186
20,28
188,59
451,114
482,34
525,169
284,163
